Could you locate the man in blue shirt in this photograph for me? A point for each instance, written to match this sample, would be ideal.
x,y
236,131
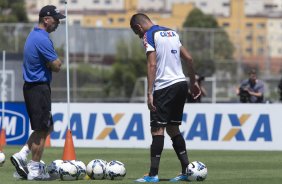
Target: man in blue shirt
x,y
40,60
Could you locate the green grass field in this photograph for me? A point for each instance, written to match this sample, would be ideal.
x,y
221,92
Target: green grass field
x,y
224,167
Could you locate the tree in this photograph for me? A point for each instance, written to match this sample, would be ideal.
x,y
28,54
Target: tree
x,y
207,42
198,19
87,83
13,36
130,63
13,11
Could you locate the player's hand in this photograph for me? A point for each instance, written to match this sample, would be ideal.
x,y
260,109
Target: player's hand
x,y
195,90
48,66
150,103
250,92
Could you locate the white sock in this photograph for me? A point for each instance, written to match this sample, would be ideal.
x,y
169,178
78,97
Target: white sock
x,y
25,151
34,162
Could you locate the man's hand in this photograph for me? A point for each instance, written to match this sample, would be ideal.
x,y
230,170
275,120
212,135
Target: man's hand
x,y
195,90
54,66
150,102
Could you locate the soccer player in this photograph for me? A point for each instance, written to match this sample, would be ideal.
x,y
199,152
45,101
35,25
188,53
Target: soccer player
x,y
167,90
40,60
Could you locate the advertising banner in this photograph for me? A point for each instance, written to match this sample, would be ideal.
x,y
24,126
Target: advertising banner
x,y
205,126
15,123
118,125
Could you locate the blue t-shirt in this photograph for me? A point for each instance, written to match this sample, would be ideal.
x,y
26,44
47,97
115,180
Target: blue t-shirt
x,y
38,50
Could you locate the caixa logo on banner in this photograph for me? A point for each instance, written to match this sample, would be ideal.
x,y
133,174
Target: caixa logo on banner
x,y
260,129
133,128
199,127
15,123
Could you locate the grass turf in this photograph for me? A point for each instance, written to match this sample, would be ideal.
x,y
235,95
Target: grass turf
x,y
224,167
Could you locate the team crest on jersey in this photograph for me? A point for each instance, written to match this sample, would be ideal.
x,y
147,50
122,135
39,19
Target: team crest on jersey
x,y
167,34
145,42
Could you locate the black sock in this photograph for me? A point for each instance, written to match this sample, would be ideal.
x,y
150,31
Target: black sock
x,y
156,151
180,150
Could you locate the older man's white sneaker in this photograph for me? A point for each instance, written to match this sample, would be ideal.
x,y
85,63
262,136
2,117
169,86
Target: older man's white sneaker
x,y
37,171
20,164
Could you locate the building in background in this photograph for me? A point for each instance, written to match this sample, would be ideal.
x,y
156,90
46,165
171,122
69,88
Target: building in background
x,y
254,7
116,13
256,33
247,32
112,13
254,26
274,34
77,9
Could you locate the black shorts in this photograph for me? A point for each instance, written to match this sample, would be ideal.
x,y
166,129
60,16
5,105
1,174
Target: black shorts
x,y
169,102
37,98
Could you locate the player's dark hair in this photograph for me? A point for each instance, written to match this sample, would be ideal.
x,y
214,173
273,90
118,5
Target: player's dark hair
x,y
252,71
41,20
138,18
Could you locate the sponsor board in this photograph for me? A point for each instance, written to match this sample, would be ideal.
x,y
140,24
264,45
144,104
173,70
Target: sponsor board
x,y
15,123
204,126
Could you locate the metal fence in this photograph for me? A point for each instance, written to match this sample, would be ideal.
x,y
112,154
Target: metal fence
x,y
107,65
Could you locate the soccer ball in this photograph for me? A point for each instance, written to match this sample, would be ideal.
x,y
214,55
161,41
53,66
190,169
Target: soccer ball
x,y
53,168
68,171
197,171
2,158
115,170
96,169
81,169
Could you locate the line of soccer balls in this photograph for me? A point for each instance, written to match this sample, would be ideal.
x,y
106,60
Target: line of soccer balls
x,y
97,169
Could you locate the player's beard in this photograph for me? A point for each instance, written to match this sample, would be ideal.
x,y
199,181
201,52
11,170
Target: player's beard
x,y
52,28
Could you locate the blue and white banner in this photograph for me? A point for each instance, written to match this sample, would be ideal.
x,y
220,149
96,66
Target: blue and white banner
x,y
15,123
204,126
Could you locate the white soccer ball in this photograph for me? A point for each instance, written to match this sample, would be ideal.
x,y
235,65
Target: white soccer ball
x,y
96,169
81,169
2,158
68,171
115,170
53,168
197,171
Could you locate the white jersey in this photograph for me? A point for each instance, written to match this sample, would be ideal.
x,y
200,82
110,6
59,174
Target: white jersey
x,y
165,42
